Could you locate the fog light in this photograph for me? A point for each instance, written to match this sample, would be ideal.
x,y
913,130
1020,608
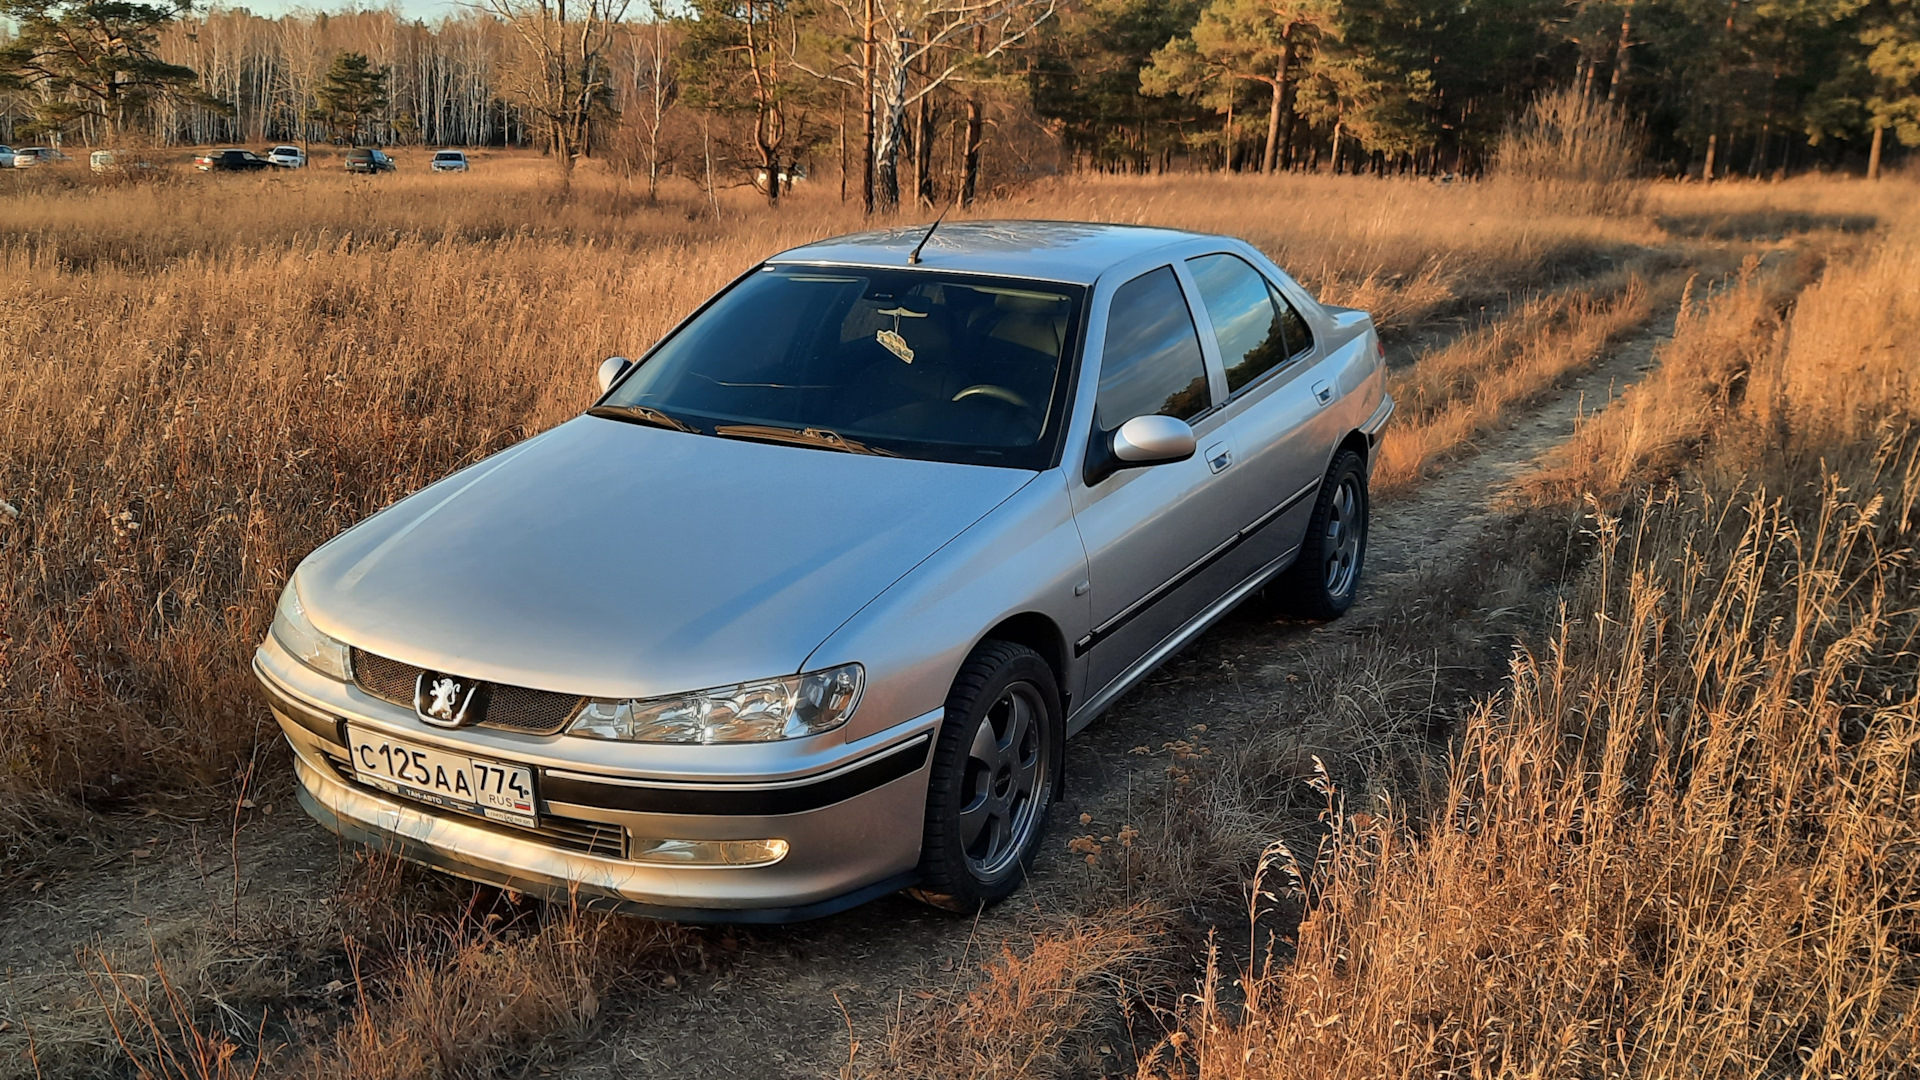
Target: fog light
x,y
709,852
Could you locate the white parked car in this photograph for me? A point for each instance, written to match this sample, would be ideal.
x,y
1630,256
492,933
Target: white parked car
x,y
29,156
288,157
449,161
113,161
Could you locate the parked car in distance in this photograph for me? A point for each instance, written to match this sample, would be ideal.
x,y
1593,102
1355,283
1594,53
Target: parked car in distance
x,y
287,157
449,161
363,159
231,160
6,157
111,161
28,156
803,610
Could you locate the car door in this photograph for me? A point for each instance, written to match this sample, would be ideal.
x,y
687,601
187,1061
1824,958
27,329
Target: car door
x,y
1150,532
1273,412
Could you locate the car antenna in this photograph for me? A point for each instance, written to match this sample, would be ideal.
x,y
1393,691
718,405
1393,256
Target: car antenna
x,y
913,257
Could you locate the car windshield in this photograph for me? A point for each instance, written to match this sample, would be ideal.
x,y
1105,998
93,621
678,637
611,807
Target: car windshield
x,y
448,155
944,367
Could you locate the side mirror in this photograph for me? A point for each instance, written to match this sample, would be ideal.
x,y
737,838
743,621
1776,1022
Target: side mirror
x,y
1151,440
1143,440
612,368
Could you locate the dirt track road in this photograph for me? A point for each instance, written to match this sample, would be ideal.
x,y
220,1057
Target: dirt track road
x,y
780,1002
777,1011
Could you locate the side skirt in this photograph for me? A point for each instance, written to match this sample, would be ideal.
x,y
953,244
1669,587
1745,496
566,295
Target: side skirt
x,y
1098,703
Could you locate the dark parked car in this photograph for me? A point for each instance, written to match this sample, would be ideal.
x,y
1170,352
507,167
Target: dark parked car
x,y
230,161
364,160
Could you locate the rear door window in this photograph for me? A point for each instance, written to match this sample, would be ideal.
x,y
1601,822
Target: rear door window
x,y
1246,319
1151,362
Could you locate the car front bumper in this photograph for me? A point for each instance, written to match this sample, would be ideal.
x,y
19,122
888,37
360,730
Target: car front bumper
x,y
852,827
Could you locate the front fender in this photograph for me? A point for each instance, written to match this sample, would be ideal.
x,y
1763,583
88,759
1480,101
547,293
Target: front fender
x,y
1023,558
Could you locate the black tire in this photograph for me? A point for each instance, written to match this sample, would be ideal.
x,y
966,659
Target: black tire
x,y
996,770
1323,581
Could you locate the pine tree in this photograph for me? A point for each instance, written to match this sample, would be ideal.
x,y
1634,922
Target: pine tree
x,y
1262,41
90,58
353,91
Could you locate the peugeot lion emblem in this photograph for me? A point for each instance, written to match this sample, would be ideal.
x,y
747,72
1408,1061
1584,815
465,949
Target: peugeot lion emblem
x,y
443,700
445,693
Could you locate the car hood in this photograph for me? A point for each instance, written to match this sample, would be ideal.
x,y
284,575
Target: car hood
x,y
611,559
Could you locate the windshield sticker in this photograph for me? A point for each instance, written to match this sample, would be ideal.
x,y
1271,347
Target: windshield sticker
x,y
891,339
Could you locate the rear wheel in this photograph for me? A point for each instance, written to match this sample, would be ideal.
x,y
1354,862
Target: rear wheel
x,y
1323,581
993,778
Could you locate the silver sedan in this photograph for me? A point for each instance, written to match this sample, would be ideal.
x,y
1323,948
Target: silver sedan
x,y
805,608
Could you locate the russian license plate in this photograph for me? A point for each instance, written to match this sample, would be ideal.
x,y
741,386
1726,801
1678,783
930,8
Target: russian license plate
x,y
492,789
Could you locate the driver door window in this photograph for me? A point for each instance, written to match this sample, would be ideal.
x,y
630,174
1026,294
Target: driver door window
x,y
1152,361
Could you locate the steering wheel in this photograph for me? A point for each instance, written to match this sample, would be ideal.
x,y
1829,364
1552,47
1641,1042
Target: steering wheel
x,y
989,390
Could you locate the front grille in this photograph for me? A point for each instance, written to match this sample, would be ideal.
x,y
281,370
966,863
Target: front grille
x,y
573,834
388,680
509,708
540,712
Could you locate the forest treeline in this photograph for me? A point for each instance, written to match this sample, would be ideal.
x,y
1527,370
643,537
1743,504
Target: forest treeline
x,y
931,98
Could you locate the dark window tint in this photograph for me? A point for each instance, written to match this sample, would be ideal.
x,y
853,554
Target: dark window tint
x,y
1246,320
946,367
1151,363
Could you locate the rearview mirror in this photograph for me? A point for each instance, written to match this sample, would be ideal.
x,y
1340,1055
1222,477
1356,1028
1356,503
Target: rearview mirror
x,y
611,369
1150,440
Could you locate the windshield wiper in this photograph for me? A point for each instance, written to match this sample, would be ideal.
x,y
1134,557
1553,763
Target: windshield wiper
x,y
642,414
807,436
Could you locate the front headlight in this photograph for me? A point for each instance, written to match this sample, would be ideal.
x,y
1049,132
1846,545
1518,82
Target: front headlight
x,y
307,644
748,712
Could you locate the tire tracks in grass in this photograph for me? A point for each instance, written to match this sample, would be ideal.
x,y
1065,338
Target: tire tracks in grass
x,y
772,1002
796,996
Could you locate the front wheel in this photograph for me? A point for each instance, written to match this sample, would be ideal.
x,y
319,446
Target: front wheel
x,y
993,780
1323,581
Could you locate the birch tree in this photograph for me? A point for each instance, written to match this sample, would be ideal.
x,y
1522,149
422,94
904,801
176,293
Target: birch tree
x,y
937,39
563,76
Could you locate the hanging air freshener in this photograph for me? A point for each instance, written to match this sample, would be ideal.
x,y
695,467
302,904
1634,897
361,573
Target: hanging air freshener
x,y
891,339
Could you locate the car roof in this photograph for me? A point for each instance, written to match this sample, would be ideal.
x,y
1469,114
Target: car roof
x,y
1068,251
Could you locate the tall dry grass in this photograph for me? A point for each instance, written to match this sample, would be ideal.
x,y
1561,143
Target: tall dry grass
x,y
1685,840
1569,151
201,379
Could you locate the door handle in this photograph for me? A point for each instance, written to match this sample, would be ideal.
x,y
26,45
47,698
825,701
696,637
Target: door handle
x,y
1219,456
1322,393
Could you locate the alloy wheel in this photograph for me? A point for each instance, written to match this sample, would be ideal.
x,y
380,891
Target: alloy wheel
x,y
1344,526
1003,788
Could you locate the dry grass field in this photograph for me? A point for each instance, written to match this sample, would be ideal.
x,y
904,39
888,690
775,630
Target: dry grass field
x,y
1631,790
